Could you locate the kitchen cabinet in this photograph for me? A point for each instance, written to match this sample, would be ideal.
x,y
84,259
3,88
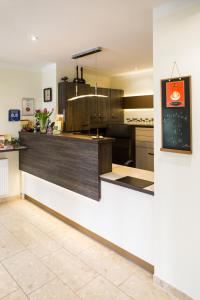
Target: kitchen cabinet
x,y
116,111
67,90
144,148
77,116
99,108
89,112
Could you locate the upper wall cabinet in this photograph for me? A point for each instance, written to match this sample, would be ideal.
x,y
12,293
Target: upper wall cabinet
x,y
135,102
89,112
67,90
116,111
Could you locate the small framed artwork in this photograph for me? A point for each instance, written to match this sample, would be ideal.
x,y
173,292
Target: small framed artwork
x,y
28,106
14,115
47,95
176,115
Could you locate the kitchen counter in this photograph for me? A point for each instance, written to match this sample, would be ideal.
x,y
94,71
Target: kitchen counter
x,y
72,161
119,171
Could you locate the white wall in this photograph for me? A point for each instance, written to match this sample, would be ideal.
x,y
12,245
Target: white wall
x,y
14,85
177,209
49,80
122,216
134,83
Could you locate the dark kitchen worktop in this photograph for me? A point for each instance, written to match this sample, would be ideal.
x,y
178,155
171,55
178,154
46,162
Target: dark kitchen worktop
x,y
72,136
15,148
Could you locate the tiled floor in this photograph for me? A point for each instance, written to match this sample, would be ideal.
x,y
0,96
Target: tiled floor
x,y
41,258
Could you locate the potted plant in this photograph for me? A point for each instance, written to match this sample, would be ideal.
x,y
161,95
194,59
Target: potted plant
x,y
42,117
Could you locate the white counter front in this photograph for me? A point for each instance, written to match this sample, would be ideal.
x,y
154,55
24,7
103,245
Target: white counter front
x,y
122,216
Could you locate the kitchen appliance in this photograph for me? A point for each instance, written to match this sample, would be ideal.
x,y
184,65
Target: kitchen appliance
x,y
123,146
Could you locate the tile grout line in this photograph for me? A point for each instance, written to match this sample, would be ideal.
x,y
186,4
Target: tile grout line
x,y
19,287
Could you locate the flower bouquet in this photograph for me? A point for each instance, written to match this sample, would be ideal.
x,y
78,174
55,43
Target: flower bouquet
x,y
42,116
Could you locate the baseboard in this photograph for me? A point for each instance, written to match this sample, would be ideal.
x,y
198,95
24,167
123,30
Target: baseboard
x,y
145,265
170,289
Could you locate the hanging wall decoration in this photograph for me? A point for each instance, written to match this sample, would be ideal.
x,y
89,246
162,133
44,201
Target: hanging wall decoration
x,y
28,107
176,114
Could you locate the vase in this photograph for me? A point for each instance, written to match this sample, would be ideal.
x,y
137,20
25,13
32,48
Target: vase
x,y
43,126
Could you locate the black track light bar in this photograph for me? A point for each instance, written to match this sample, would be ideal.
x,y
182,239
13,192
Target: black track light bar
x,y
87,52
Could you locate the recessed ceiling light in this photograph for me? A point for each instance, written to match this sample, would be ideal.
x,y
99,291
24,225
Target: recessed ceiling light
x,y
34,38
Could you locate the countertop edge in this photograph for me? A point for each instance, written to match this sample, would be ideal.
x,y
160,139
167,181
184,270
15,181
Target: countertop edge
x,y
14,149
80,138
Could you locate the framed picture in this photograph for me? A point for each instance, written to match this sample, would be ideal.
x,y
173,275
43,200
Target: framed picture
x,y
28,106
176,115
47,95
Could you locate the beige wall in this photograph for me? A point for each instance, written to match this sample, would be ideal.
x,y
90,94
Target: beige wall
x,y
90,76
135,83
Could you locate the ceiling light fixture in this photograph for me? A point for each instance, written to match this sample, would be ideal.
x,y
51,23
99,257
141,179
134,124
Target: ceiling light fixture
x,y
80,55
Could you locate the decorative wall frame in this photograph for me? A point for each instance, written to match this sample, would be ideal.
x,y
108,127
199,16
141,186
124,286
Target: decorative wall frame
x,y
176,117
28,106
47,94
14,115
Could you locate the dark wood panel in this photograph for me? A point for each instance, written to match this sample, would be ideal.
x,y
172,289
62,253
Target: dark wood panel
x,y
116,111
138,102
74,164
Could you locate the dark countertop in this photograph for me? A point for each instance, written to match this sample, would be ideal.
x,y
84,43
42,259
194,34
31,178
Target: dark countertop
x,y
73,136
16,148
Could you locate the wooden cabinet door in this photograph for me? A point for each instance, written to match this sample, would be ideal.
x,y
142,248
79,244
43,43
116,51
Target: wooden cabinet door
x,y
144,158
104,105
116,111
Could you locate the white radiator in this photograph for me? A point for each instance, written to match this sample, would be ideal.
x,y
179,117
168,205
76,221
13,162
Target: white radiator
x,y
3,177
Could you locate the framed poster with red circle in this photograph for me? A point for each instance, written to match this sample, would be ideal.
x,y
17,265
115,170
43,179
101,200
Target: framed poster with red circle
x,y
175,93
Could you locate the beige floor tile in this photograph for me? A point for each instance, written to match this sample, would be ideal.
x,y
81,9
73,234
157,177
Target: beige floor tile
x,y
12,220
69,269
18,295
54,290
5,209
101,289
9,245
72,240
63,232
7,284
44,247
141,289
28,271
108,263
27,234
46,222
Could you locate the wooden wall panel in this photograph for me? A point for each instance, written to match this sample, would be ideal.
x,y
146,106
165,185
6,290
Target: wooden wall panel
x,y
74,164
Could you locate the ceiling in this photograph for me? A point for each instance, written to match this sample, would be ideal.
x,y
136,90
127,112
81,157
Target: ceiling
x,y
122,27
